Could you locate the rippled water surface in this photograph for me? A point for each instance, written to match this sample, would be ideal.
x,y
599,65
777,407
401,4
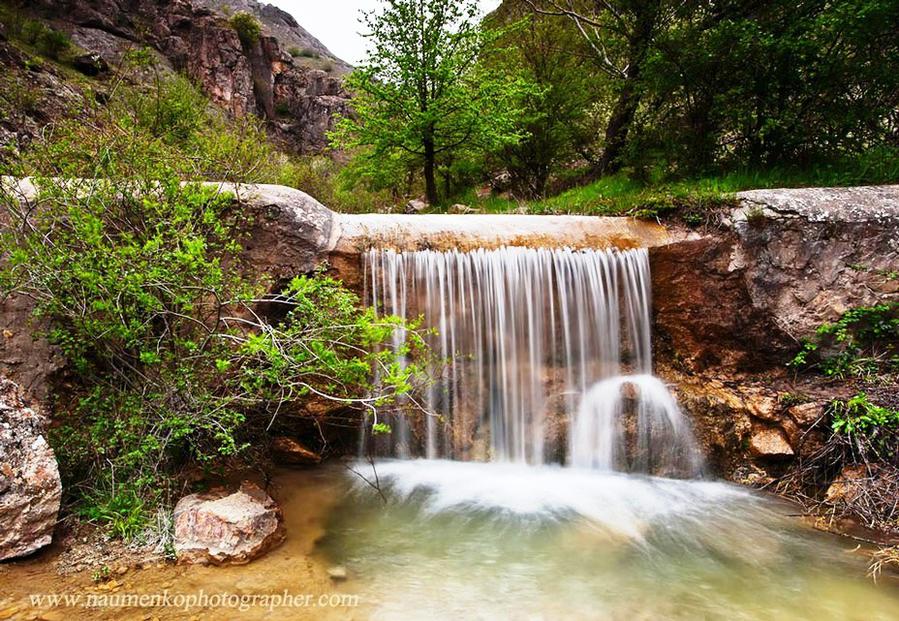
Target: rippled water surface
x,y
464,540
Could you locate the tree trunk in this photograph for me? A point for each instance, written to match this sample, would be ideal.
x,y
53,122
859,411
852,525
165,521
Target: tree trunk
x,y
430,165
629,97
618,127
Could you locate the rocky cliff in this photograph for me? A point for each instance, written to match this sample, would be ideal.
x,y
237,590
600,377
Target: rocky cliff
x,y
256,77
732,304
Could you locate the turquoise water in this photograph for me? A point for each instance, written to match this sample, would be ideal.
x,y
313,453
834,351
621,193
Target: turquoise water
x,y
465,540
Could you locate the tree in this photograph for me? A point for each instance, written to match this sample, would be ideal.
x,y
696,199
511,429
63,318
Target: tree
x,y
557,120
423,99
621,34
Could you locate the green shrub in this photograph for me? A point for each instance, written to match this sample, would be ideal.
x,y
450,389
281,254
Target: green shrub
x,y
31,31
174,112
858,416
49,42
864,341
247,26
139,283
282,108
138,280
53,43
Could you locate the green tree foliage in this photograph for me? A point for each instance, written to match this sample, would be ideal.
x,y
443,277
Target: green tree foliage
x,y
423,102
696,87
763,84
558,121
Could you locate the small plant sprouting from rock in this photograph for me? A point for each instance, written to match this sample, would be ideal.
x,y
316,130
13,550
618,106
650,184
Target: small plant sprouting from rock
x,y
247,27
789,399
101,574
863,342
857,416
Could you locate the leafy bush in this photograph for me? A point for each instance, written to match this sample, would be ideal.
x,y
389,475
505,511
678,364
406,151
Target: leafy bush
x,y
864,341
49,42
139,286
858,416
53,43
247,26
137,278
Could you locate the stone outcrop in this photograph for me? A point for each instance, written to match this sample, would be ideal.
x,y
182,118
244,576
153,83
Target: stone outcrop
x,y
261,77
219,527
735,301
30,488
290,34
778,266
290,233
291,452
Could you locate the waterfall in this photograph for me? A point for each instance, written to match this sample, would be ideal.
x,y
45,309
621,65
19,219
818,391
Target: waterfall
x,y
519,336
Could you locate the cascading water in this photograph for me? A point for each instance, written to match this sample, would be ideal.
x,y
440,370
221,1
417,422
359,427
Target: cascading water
x,y
520,336
542,364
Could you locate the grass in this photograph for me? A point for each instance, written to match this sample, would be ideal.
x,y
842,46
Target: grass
x,y
622,195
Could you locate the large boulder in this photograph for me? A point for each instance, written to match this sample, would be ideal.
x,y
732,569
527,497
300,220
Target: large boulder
x,y
290,233
30,488
219,527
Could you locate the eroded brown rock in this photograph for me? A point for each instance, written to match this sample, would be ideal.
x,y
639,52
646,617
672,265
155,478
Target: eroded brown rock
x,y
219,527
291,452
770,443
30,488
258,78
848,485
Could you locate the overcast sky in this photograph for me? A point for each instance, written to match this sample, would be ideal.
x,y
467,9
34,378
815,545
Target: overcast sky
x,y
336,22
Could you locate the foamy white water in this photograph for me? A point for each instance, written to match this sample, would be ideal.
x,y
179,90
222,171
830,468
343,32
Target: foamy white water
x,y
470,540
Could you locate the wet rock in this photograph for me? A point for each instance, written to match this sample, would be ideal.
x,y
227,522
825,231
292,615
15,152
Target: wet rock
x,y
770,444
91,64
290,452
765,408
30,487
219,527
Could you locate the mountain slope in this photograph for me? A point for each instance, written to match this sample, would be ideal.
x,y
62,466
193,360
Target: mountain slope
x,y
306,49
299,101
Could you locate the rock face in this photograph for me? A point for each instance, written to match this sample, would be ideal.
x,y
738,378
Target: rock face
x,y
290,233
219,527
780,264
734,302
258,78
30,489
291,35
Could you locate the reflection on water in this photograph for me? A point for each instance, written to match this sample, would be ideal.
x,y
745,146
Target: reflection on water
x,y
464,540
